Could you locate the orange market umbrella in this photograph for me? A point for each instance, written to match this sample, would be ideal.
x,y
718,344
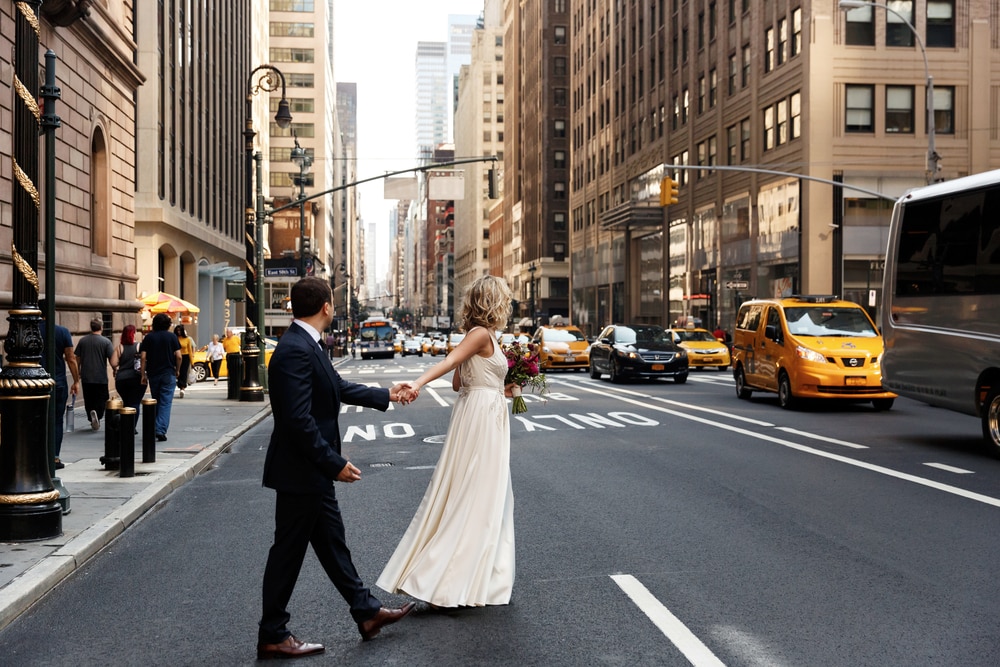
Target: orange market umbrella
x,y
173,305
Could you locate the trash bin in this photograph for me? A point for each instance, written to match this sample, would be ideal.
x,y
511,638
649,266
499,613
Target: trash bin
x,y
234,370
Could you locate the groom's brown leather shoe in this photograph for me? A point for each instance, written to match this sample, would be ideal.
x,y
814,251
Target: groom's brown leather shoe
x,y
290,648
369,629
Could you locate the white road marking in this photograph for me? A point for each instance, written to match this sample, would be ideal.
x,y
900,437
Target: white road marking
x,y
942,466
678,633
436,396
814,436
420,467
947,488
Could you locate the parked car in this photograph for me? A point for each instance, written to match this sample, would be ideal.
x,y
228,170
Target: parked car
x,y
637,351
561,347
200,363
704,349
412,346
809,347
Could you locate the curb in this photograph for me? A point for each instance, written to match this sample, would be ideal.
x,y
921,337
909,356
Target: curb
x,y
42,577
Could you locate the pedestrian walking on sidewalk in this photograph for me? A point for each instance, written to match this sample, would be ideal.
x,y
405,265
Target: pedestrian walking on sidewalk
x,y
94,352
64,349
187,349
216,353
161,366
303,461
128,379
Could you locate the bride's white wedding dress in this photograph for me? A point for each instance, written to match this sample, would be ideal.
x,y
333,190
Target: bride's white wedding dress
x,y
459,548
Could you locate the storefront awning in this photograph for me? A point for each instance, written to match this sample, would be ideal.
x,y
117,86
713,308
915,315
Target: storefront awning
x,y
633,215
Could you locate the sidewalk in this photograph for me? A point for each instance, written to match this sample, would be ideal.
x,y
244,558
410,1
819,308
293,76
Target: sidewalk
x,y
203,424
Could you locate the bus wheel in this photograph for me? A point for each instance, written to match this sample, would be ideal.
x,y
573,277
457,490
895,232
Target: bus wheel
x,y
991,420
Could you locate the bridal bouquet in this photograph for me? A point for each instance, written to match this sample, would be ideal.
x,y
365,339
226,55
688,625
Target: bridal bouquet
x,y
522,371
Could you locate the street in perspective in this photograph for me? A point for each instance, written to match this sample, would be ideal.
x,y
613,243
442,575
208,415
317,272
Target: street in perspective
x,y
657,523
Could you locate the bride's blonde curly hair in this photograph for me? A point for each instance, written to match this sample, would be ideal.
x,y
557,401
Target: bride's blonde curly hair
x,y
486,304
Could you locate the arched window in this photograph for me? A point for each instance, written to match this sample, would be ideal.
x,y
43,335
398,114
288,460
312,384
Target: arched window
x,y
100,209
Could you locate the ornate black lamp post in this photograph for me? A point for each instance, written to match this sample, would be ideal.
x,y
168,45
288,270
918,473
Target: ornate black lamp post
x,y
267,79
29,504
304,162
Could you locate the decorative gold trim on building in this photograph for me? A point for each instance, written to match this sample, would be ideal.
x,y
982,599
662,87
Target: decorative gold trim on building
x,y
26,183
23,266
29,498
29,16
27,98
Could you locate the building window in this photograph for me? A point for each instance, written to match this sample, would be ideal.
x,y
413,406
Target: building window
x,y
295,104
860,26
559,159
278,29
559,222
781,122
713,87
559,6
292,6
897,32
860,108
675,120
768,50
559,97
287,55
769,128
941,23
713,151
795,104
702,93
293,130
685,106
745,140
713,19
100,211
796,32
944,110
559,190
559,66
782,40
746,66
559,128
559,34
899,109
300,80
733,70
732,142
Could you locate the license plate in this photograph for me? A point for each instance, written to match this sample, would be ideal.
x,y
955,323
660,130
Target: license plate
x,y
854,381
570,360
657,367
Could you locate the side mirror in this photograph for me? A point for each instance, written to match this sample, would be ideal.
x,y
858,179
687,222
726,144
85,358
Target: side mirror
x,y
604,341
772,332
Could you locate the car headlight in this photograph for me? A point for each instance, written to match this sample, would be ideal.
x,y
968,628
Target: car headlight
x,y
546,350
682,354
810,355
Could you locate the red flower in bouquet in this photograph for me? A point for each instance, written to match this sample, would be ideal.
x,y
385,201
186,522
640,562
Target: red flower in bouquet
x,y
522,371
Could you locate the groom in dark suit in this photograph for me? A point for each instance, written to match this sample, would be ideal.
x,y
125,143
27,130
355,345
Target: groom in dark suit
x,y
303,460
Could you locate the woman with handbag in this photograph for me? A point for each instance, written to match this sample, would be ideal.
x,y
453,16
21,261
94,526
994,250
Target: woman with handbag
x,y
187,349
128,377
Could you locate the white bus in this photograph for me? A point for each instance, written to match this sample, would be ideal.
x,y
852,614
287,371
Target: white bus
x,y
941,310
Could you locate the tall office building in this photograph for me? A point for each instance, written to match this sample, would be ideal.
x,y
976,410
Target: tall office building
x,y
460,30
479,131
432,97
346,269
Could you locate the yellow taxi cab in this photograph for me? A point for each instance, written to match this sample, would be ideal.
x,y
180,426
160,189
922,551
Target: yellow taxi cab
x,y
704,349
397,343
561,346
453,340
201,364
805,347
425,344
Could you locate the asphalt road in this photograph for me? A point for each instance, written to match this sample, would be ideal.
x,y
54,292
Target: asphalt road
x,y
657,524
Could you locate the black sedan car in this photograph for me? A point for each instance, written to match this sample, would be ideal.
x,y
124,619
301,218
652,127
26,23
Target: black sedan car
x,y
629,351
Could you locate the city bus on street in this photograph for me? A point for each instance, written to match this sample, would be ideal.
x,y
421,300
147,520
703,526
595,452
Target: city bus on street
x,y
376,338
941,299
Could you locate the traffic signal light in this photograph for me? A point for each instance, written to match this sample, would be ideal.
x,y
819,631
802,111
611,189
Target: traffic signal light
x,y
491,178
668,191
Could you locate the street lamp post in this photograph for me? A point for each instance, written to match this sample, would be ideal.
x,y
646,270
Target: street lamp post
x,y
932,156
304,162
268,78
531,294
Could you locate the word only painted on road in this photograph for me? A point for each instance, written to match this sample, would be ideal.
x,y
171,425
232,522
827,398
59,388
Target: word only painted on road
x,y
528,398
398,430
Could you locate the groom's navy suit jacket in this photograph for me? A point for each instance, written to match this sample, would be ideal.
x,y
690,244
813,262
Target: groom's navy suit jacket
x,y
306,393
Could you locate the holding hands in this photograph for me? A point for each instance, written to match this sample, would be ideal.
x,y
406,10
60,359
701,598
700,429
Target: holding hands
x,y
403,393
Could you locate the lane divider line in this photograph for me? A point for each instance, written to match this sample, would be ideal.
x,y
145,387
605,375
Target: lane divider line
x,y
679,635
814,436
948,468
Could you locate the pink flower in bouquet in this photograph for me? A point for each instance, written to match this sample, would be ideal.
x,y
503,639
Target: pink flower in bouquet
x,y
522,371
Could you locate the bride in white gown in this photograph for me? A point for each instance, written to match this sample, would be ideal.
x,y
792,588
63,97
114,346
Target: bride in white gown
x,y
459,548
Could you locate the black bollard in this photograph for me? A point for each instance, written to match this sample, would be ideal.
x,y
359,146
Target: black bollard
x,y
126,442
111,425
149,430
234,373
